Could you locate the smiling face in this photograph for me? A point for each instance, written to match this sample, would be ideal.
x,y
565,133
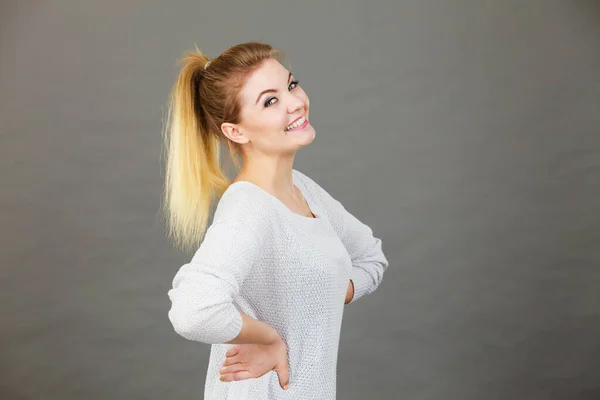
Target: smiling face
x,y
271,101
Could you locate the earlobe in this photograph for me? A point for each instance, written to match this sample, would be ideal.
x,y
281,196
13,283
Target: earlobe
x,y
232,132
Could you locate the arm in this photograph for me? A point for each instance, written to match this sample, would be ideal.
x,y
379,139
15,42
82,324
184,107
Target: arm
x,y
368,260
255,332
203,291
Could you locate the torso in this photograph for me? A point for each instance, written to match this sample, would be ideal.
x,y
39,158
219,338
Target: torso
x,y
298,285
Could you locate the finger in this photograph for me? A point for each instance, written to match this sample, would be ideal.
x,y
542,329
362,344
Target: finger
x,y
231,360
231,369
241,375
237,376
284,377
233,351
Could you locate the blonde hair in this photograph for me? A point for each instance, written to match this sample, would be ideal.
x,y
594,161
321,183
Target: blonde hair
x,y
200,101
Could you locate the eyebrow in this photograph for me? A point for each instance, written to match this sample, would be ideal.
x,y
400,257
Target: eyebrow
x,y
270,90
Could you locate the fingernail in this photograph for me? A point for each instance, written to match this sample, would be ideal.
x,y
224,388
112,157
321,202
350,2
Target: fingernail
x,y
285,387
222,379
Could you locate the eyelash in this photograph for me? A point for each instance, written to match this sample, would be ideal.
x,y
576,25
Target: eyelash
x,y
267,104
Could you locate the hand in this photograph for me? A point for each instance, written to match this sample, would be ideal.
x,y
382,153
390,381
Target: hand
x,y
349,292
246,361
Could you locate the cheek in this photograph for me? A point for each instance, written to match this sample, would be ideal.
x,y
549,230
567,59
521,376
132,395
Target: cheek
x,y
276,122
304,97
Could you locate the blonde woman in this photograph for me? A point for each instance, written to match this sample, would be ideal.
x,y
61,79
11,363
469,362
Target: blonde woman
x,y
270,275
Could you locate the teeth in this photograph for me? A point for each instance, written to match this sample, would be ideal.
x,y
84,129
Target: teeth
x,y
296,124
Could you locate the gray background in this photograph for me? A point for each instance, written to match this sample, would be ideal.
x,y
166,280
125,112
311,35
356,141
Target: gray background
x,y
465,133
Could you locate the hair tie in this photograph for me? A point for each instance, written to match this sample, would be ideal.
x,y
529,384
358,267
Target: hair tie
x,y
207,64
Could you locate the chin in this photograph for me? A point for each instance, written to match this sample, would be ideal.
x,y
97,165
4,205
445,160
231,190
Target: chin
x,y
304,139
306,132
309,136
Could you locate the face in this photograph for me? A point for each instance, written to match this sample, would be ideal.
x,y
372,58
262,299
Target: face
x,y
274,113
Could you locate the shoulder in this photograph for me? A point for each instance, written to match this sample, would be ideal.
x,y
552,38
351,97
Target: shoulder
x,y
306,181
243,206
243,203
241,226
314,189
242,219
300,175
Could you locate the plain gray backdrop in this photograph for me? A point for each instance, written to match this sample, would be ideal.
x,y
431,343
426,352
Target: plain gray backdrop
x,y
465,133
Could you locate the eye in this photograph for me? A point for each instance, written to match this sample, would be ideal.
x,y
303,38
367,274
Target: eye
x,y
269,100
294,83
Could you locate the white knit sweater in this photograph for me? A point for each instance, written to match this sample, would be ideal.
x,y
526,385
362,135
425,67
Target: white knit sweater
x,y
261,258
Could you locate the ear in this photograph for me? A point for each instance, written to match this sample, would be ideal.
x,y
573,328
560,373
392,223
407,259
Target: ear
x,y
232,131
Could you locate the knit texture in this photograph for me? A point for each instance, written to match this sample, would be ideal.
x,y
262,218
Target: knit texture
x,y
290,271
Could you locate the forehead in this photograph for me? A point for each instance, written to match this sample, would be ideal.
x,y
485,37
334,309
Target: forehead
x,y
270,75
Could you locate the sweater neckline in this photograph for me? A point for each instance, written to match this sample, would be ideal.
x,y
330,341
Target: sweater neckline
x,y
314,209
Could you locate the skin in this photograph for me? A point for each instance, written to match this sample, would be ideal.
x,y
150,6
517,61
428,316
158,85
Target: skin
x,y
268,152
349,292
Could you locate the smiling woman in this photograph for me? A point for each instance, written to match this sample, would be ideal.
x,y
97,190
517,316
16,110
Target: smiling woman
x,y
268,116
269,278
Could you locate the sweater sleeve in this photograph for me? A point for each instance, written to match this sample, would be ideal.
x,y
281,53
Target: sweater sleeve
x,y
368,260
203,291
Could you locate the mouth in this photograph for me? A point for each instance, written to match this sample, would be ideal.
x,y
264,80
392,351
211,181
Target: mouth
x,y
297,125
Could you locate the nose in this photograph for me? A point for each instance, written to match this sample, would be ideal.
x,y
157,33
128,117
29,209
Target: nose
x,y
295,104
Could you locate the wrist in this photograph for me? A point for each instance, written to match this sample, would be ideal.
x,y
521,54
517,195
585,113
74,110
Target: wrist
x,y
273,336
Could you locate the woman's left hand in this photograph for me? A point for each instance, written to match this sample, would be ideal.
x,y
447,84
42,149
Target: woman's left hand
x,y
349,292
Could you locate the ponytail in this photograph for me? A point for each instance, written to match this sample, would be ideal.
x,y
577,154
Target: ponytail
x,y
201,100
193,175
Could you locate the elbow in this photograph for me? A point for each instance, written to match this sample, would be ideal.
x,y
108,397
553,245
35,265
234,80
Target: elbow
x,y
379,268
184,325
202,307
366,278
374,275
211,326
374,269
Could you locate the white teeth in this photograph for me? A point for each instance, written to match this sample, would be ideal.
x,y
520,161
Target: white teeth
x,y
296,124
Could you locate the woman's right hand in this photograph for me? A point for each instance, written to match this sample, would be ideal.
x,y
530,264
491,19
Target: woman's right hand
x,y
246,361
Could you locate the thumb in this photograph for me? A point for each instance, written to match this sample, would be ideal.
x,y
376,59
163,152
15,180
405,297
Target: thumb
x,y
284,376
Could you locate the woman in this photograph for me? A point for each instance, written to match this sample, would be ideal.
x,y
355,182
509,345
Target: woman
x,y
268,283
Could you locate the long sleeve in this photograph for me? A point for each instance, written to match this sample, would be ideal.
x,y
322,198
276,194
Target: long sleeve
x,y
368,260
203,290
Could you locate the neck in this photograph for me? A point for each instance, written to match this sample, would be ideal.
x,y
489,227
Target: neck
x,y
271,174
